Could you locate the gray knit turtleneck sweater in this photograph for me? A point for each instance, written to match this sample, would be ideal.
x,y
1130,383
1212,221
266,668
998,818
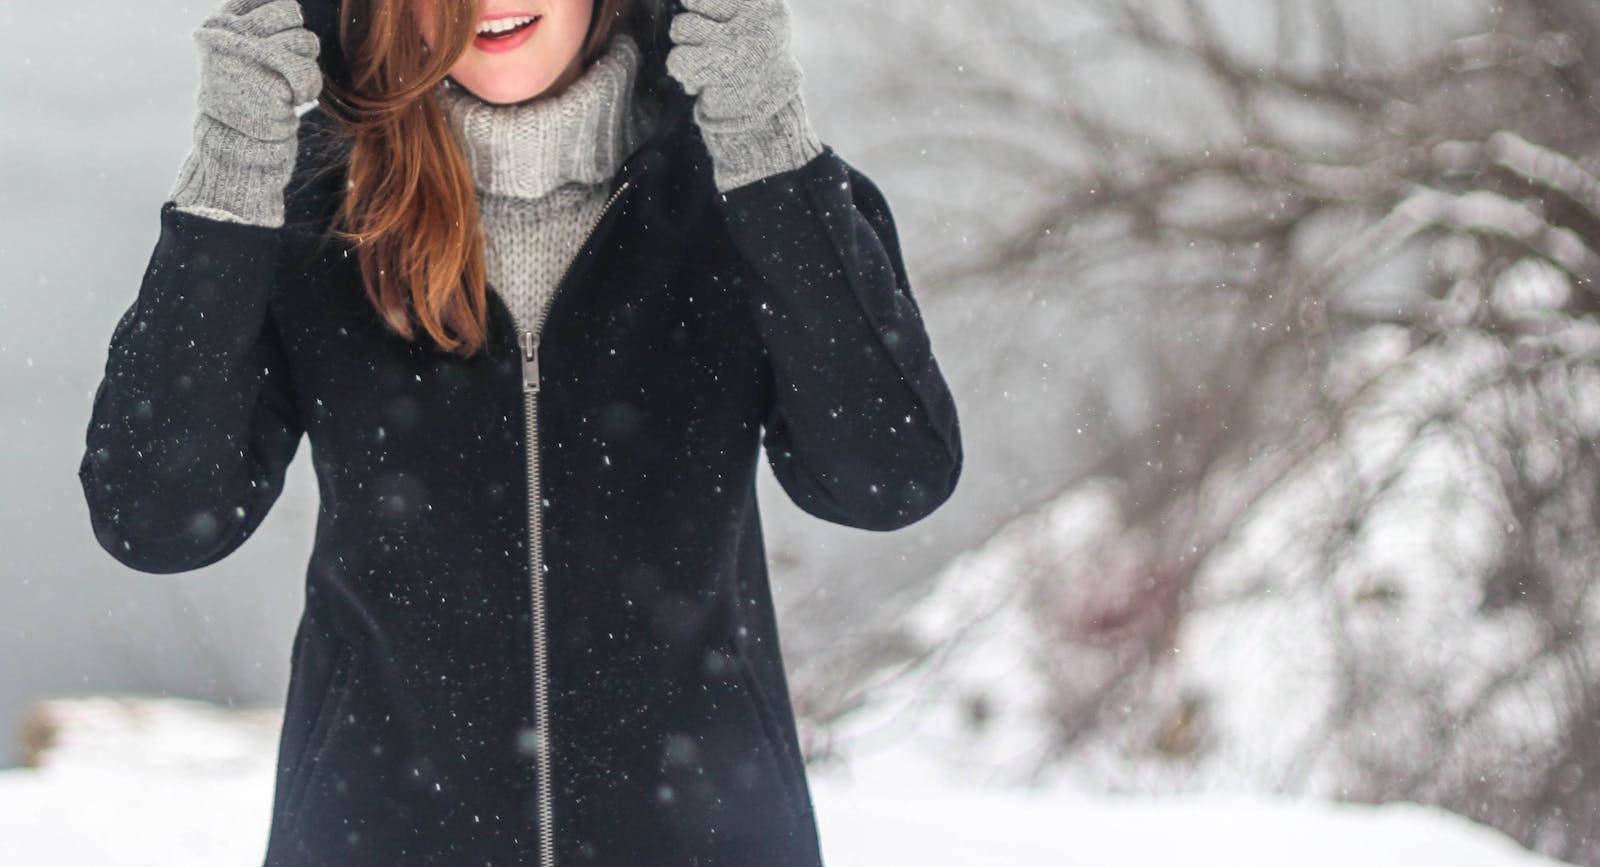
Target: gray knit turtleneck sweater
x,y
542,169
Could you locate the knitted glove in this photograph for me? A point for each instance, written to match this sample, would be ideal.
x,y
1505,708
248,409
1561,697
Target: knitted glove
x,y
257,62
735,55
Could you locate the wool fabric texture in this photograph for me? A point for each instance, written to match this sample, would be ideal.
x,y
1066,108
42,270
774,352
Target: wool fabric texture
x,y
735,57
257,63
542,169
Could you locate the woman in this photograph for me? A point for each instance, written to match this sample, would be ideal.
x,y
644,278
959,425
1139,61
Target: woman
x,y
596,260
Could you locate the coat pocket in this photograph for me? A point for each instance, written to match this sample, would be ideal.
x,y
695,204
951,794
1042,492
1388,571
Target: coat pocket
x,y
767,712
329,709
720,779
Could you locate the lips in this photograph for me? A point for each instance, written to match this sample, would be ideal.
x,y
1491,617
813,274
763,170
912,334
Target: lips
x,y
506,33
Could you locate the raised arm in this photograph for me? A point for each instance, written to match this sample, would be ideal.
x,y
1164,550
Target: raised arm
x,y
193,424
861,429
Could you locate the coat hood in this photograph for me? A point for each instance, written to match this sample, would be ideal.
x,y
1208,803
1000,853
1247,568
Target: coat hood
x,y
653,18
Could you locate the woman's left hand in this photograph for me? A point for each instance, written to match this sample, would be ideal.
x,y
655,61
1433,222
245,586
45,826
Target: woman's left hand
x,y
736,55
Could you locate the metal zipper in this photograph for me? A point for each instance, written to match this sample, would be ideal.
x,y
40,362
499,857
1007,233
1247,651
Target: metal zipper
x,y
541,674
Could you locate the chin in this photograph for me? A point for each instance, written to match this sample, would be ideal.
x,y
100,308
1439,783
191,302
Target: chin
x,y
504,95
502,80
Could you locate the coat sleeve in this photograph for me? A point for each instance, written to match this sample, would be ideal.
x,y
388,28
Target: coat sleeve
x,y
861,427
193,424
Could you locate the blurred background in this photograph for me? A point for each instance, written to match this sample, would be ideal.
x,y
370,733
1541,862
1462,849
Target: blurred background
x,y
1273,326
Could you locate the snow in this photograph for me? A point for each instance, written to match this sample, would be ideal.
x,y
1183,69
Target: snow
x,y
882,825
170,782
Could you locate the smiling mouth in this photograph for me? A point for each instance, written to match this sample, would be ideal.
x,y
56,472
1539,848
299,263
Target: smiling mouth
x,y
505,28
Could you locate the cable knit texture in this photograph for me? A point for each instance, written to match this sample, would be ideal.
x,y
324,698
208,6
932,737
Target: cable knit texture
x,y
542,169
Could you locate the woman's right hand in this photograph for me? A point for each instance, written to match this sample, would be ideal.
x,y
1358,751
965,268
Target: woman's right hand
x,y
257,63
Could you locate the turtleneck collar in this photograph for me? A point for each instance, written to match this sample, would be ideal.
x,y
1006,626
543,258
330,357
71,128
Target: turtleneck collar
x,y
580,135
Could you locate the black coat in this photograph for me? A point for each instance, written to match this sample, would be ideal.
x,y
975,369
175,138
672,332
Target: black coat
x,y
442,622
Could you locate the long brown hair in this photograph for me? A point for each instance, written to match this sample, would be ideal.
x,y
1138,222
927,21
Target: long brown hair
x,y
409,207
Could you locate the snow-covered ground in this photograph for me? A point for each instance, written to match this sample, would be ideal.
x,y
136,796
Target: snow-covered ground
x,y
171,783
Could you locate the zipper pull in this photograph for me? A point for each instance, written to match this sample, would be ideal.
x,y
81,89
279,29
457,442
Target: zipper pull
x,y
530,361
